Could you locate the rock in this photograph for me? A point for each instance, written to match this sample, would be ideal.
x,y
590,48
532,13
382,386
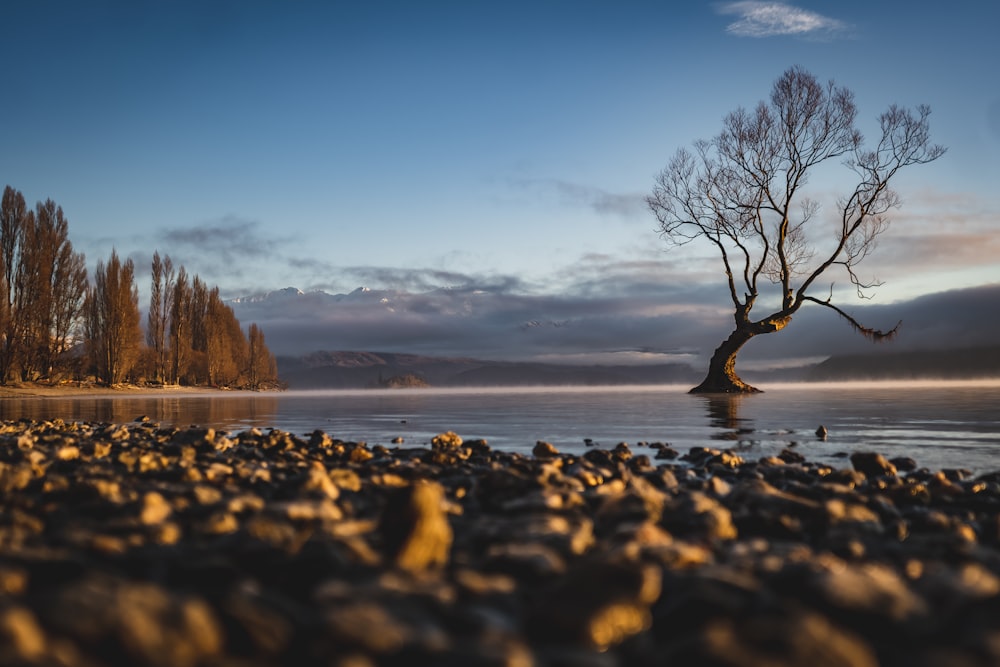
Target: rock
x,y
68,453
872,464
318,483
856,518
782,639
527,561
598,603
446,440
187,547
155,509
369,626
903,463
141,622
414,527
544,450
256,622
22,640
666,452
866,593
788,456
697,514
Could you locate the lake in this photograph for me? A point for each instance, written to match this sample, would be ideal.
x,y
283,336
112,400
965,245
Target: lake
x,y
941,425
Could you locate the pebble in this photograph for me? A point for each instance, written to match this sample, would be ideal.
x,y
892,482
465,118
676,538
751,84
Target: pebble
x,y
152,546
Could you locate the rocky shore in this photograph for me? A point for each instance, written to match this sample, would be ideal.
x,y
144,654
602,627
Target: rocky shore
x,y
132,544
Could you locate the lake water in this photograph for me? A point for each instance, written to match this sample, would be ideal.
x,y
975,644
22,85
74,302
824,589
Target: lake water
x,y
941,425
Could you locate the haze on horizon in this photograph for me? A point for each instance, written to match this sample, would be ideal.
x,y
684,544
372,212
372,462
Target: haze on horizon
x,y
444,151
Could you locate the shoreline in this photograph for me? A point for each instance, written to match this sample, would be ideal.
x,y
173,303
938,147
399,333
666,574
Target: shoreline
x,y
33,390
139,544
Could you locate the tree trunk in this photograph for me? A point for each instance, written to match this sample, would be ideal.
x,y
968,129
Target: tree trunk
x,y
722,377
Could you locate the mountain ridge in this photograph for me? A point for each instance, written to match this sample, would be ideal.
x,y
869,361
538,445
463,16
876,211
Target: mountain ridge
x,y
360,369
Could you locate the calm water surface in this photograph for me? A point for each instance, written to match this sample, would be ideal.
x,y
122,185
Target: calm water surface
x,y
942,425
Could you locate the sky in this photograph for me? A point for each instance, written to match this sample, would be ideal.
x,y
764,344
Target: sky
x,y
498,148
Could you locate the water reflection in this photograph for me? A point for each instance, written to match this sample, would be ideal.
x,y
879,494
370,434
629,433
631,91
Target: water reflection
x,y
223,412
724,417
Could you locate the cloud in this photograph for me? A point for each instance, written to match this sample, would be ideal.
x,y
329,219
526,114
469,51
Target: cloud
x,y
493,316
771,19
226,250
608,311
943,230
624,205
425,279
228,236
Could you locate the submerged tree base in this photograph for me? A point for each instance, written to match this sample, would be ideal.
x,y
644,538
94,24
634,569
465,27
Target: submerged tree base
x,y
724,385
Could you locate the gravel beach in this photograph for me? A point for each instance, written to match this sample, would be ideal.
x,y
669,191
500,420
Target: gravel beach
x,y
134,544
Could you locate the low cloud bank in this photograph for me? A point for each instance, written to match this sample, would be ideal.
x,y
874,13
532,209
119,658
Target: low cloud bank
x,y
641,326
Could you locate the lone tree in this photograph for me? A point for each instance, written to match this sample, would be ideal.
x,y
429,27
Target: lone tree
x,y
743,192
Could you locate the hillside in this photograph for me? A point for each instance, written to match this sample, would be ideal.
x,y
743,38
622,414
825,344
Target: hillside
x,y
347,370
966,363
356,370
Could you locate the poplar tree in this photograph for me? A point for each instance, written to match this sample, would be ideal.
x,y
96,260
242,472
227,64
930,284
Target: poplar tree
x,y
113,319
13,216
158,319
67,289
42,285
225,344
180,327
261,366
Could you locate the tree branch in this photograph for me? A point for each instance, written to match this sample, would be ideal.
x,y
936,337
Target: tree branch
x,y
874,335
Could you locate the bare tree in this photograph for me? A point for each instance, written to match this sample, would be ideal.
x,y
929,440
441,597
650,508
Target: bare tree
x,y
180,327
32,296
67,291
113,319
199,307
743,193
42,285
158,319
261,366
225,345
13,217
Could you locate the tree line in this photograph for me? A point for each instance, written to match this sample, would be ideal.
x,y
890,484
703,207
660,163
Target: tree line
x,y
58,324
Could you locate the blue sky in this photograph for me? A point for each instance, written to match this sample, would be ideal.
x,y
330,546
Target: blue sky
x,y
506,146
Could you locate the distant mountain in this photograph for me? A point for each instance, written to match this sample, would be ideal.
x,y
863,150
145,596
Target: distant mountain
x,y
354,370
967,363
344,370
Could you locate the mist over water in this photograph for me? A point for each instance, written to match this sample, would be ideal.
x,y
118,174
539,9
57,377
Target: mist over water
x,y
939,424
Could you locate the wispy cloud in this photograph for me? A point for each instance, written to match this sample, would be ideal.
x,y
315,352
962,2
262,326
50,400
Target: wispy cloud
x,y
946,230
771,19
227,250
421,280
229,235
625,205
